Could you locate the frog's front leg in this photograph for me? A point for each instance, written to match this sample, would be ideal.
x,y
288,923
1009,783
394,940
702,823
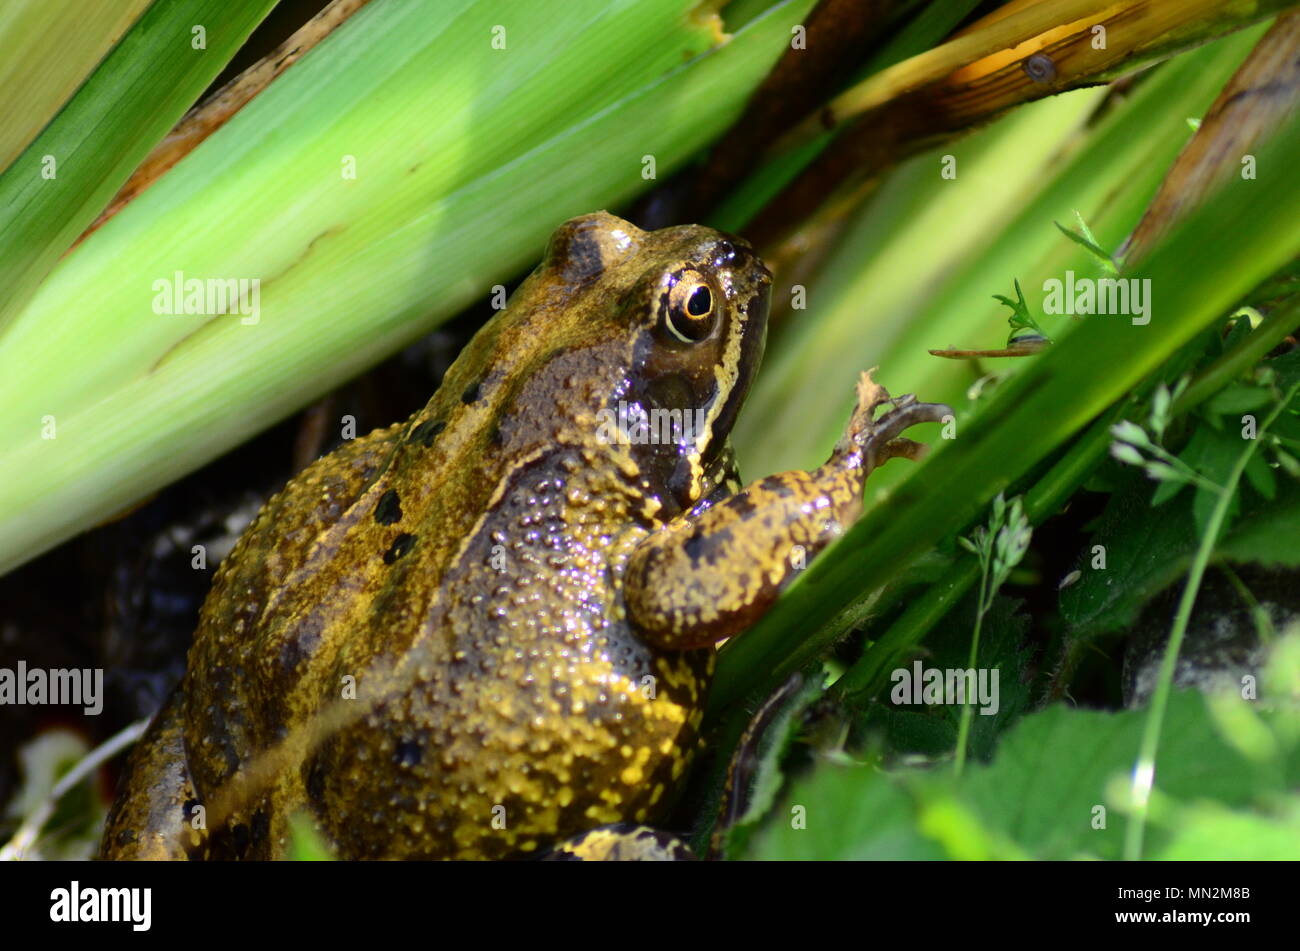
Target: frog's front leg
x,y
714,572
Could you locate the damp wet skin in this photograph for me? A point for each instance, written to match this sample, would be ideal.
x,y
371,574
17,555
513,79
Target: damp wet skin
x,y
516,610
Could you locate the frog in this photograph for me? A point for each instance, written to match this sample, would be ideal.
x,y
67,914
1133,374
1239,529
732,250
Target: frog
x,y
490,630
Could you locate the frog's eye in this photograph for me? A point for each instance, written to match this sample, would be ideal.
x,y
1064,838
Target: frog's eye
x,y
689,313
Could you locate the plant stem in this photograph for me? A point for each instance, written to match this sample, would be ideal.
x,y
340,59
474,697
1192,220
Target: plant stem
x,y
1263,623
1145,767
963,730
26,836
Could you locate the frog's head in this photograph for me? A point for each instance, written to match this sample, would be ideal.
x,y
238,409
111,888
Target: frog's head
x,y
687,307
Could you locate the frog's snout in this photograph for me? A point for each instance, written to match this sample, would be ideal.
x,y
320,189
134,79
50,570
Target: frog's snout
x,y
736,255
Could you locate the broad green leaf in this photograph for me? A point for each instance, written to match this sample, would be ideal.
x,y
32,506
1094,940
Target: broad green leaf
x,y
1271,535
843,812
1212,833
1055,769
47,49
746,784
68,174
1148,548
466,156
1140,549
1238,398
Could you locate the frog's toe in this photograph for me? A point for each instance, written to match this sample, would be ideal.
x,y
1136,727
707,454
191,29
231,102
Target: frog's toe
x,y
902,448
622,842
881,439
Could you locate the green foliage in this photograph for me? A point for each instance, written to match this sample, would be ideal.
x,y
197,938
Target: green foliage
x,y
1149,531
67,175
1000,547
1088,241
1218,481
305,843
1055,789
932,731
441,211
1021,319
844,812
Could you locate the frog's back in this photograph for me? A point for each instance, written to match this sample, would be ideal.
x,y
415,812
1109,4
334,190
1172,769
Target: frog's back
x,y
431,617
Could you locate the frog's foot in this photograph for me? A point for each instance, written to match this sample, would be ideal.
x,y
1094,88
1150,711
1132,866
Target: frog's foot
x,y
880,440
622,842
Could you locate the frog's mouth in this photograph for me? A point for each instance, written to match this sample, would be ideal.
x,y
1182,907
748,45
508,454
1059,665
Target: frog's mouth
x,y
744,352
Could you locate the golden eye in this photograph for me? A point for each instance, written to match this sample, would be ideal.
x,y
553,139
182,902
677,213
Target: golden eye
x,y
689,314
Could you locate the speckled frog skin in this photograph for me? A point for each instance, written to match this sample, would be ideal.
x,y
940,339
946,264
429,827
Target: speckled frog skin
x,y
491,628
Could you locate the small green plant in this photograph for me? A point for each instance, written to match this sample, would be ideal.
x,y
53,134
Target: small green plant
x,y
1087,240
999,546
1022,322
1132,441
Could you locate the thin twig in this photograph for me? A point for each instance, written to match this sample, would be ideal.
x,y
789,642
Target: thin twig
x,y
16,849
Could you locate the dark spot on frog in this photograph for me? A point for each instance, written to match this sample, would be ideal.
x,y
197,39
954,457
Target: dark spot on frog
x,y
742,505
303,642
694,546
187,811
389,509
561,854
401,545
408,753
261,827
315,781
779,487
472,392
240,838
428,431
584,256
576,248
710,548
126,837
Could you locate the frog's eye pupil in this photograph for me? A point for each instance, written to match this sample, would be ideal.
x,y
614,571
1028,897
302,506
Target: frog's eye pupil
x,y
688,313
700,302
